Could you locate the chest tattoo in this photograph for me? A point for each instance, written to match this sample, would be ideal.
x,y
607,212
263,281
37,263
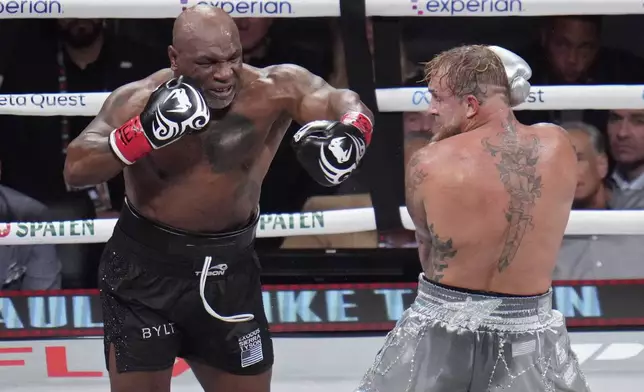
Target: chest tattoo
x,y
229,142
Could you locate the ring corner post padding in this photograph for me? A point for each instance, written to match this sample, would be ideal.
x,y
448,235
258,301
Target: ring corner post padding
x,y
382,163
388,187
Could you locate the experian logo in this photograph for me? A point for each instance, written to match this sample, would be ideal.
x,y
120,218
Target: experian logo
x,y
247,7
454,7
26,7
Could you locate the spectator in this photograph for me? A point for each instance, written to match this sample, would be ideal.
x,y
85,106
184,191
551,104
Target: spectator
x,y
570,53
418,131
593,190
594,256
592,166
70,55
626,136
26,267
267,42
254,36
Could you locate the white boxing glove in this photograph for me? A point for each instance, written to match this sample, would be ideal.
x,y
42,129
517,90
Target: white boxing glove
x,y
518,71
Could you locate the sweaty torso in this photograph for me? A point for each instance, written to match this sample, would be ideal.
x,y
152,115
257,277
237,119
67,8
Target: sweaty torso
x,y
211,181
491,207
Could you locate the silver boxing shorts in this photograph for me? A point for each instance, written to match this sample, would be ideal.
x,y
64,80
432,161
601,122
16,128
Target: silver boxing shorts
x,y
456,341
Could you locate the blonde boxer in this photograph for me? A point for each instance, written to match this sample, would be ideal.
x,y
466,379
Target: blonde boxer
x,y
490,199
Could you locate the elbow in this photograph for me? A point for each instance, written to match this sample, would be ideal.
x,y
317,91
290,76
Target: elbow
x,y
73,172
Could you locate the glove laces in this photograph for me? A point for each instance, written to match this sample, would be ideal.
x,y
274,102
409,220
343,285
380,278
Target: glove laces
x,y
239,318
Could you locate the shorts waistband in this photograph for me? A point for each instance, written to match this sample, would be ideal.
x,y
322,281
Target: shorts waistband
x,y
168,240
473,311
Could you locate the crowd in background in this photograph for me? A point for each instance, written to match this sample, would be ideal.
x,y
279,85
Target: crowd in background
x,y
95,55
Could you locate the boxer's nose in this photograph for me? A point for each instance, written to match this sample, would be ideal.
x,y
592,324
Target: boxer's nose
x,y
223,73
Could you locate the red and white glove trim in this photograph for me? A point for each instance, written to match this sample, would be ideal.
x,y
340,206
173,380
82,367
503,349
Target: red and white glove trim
x,y
129,142
360,121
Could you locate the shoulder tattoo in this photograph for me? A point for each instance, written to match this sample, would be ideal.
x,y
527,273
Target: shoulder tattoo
x,y
517,171
415,176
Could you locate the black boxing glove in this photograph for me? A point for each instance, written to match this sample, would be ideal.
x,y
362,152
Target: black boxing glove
x,y
331,150
174,109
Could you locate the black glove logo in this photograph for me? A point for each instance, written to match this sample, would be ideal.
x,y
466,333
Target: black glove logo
x,y
183,108
183,102
338,152
341,154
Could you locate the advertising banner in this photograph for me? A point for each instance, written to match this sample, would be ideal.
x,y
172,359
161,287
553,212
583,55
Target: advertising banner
x,y
317,308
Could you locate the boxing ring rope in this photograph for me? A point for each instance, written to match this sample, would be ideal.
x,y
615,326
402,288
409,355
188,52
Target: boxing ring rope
x,y
601,97
299,224
407,99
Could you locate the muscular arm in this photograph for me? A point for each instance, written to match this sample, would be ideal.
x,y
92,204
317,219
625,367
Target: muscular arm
x,y
90,159
332,148
310,98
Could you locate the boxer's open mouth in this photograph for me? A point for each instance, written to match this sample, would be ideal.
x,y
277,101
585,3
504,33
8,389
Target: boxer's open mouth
x,y
222,91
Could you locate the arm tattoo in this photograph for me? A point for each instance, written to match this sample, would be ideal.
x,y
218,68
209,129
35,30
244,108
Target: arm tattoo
x,y
439,253
415,177
517,170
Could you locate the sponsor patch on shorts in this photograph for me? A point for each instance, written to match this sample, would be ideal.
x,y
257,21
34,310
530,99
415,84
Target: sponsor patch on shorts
x,y
251,348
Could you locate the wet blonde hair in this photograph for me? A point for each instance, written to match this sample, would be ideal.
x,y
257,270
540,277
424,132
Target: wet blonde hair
x,y
470,70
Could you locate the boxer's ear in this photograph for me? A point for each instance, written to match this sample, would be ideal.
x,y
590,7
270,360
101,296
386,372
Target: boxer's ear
x,y
472,106
172,55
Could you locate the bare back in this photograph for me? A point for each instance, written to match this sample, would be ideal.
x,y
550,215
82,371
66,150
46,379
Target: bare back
x,y
491,206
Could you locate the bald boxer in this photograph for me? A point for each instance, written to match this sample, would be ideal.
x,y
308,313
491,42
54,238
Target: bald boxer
x,y
179,277
490,199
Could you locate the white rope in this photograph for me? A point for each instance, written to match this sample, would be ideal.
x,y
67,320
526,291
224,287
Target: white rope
x,y
157,9
270,225
298,224
473,8
626,222
408,99
600,97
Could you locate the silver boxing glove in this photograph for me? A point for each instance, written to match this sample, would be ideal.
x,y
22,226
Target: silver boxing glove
x,y
518,71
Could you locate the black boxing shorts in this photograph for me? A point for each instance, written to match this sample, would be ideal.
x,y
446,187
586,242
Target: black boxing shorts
x,y
154,298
